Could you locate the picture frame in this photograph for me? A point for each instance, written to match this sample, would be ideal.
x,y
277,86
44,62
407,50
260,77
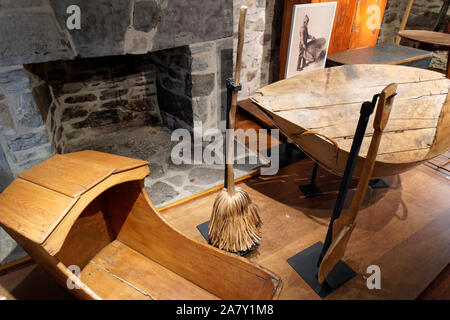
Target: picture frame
x,y
310,35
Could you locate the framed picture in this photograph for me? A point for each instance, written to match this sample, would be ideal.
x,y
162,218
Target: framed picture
x,y
309,37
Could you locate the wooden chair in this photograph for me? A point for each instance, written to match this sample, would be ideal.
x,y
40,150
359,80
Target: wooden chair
x,y
89,211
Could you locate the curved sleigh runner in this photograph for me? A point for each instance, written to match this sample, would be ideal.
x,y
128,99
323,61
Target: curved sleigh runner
x,y
89,210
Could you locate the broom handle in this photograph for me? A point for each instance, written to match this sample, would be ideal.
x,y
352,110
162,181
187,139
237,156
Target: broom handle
x,y
234,96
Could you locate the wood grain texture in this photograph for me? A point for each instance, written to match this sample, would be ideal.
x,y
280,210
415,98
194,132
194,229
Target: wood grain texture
x,y
89,234
147,232
31,210
156,261
142,274
365,29
56,239
425,36
403,229
327,102
343,24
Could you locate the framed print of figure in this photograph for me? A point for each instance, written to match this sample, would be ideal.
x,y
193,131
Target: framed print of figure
x,y
310,37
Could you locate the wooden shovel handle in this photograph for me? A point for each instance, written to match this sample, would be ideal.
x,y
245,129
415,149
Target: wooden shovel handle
x,y
234,96
384,107
345,224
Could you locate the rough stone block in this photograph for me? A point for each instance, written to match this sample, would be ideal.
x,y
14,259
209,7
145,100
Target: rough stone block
x,y
28,140
27,113
13,75
203,84
161,192
103,25
199,64
43,99
80,98
174,104
5,172
146,15
30,37
6,122
18,86
73,112
192,21
12,4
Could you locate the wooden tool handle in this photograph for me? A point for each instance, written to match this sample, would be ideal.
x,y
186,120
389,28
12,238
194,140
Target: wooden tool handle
x,y
384,107
232,113
379,123
345,224
404,20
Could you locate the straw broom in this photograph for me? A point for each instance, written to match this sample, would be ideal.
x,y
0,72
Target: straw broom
x,y
235,223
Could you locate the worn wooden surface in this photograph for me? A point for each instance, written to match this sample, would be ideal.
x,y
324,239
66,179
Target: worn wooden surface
x,y
320,109
105,224
425,36
387,53
367,23
403,229
135,271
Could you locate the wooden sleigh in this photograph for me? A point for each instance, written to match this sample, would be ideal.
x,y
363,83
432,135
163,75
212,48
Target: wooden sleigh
x,y
319,111
90,210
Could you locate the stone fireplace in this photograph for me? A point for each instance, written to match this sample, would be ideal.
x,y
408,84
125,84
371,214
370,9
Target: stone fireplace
x,y
134,71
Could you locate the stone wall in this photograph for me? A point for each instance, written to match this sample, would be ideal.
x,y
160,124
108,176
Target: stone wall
x,y
23,139
424,15
108,27
260,61
191,83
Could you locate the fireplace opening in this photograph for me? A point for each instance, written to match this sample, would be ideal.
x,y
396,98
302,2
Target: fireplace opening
x,y
130,104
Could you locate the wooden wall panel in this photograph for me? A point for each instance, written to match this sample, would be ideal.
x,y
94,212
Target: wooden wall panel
x,y
343,23
367,22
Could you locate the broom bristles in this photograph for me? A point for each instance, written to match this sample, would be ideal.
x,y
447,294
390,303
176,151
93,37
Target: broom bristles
x,y
235,223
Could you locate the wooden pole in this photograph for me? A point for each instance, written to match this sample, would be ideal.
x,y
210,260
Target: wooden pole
x,y
232,113
404,20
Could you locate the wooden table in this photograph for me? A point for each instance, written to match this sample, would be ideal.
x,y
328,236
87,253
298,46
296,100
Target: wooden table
x,y
429,37
388,53
319,111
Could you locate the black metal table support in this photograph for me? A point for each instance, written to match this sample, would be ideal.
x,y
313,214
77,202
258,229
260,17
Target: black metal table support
x,y
311,190
307,262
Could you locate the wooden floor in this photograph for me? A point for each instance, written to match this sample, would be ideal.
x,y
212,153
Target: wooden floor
x,y
403,230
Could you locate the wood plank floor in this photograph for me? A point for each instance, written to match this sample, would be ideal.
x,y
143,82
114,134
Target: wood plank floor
x,y
403,229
